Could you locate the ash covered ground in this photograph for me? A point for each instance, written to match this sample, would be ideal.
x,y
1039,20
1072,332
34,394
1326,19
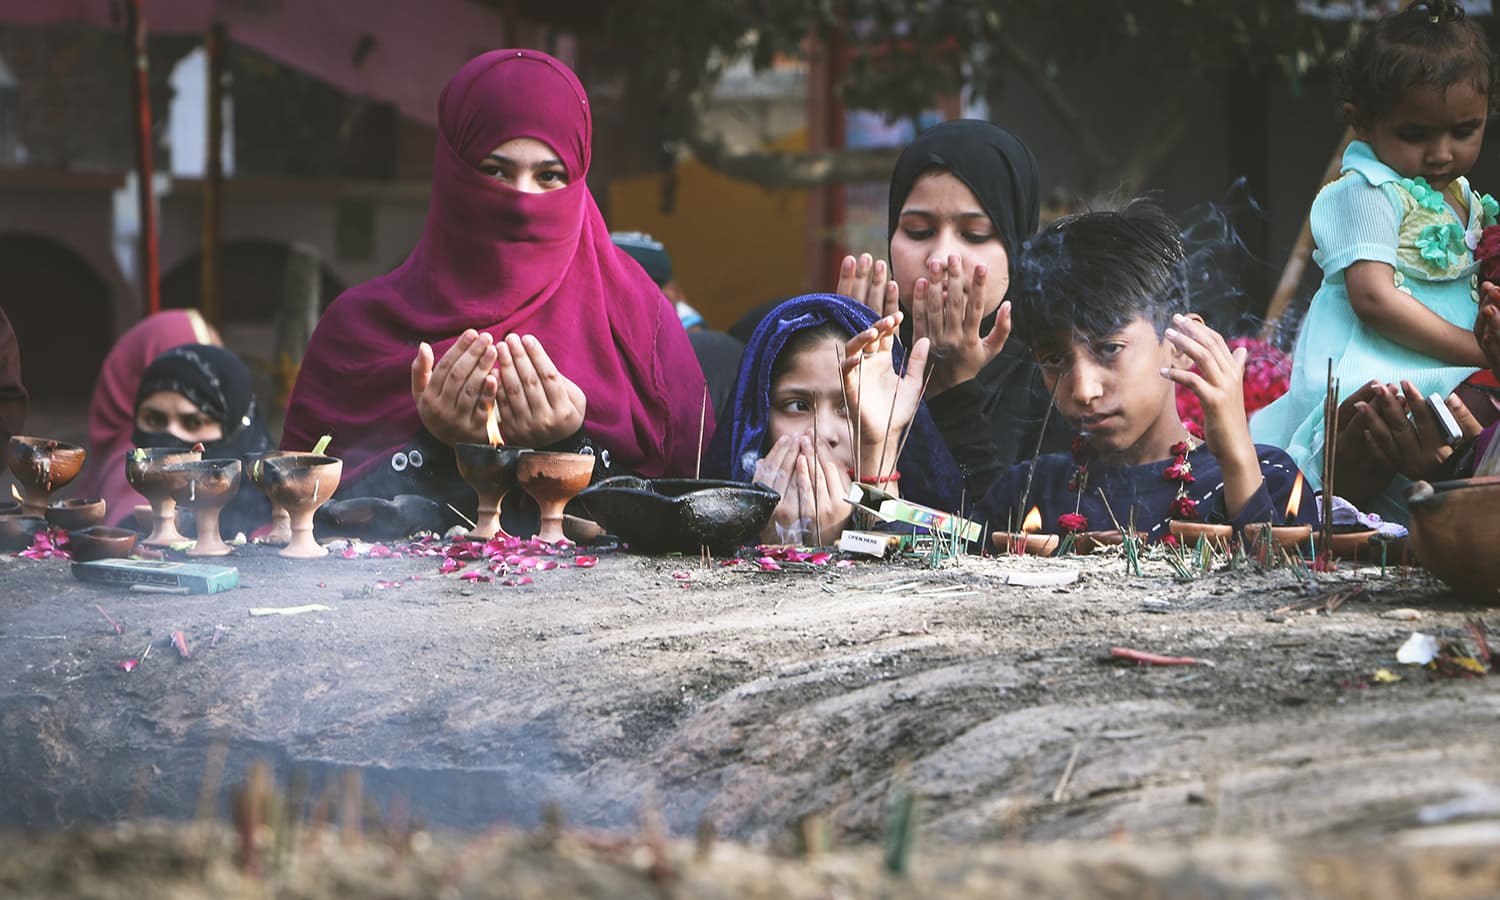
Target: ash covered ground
x,y
752,699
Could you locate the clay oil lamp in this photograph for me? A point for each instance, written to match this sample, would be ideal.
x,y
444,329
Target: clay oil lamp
x,y
41,466
1355,545
1454,527
17,532
1028,541
1189,533
10,507
74,515
552,479
492,471
101,542
301,482
143,470
1287,537
680,515
205,486
254,469
1089,541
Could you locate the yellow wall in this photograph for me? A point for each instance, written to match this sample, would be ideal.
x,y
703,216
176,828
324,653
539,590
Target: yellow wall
x,y
733,245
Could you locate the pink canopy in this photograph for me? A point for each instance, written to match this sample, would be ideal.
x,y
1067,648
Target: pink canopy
x,y
397,51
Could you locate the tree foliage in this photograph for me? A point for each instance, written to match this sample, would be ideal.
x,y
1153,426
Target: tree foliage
x,y
897,56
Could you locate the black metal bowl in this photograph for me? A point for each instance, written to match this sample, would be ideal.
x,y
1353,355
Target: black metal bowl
x,y
664,515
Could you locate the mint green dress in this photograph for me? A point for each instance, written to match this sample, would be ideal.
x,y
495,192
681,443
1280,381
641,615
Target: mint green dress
x,y
1372,213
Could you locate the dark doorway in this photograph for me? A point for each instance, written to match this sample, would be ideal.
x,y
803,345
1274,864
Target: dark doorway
x,y
62,314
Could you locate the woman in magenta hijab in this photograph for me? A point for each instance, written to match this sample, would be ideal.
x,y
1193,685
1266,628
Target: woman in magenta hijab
x,y
514,296
112,411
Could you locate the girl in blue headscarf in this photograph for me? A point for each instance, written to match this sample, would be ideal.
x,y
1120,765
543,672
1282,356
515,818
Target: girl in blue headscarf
x,y
810,361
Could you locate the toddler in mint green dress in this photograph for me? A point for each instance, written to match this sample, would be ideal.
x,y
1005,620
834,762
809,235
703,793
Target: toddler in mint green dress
x,y
1372,213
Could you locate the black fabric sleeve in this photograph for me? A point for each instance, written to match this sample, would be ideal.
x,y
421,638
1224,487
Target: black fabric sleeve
x,y
963,420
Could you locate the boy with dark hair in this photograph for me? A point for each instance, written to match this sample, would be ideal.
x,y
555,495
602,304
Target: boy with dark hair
x,y
1102,302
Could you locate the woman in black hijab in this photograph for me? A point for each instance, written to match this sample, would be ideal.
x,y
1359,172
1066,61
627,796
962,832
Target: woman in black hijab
x,y
963,201
199,393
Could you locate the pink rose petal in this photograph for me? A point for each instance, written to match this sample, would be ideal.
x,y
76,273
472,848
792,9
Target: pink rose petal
x,y
585,562
129,665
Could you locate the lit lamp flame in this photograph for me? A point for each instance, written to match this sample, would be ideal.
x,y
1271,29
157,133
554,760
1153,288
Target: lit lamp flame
x,y
1294,502
16,494
492,426
1033,522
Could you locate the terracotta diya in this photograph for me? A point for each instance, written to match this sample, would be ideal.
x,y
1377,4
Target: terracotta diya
x,y
1454,525
73,515
143,470
1188,533
492,470
301,482
1292,537
41,466
1028,541
205,486
552,479
101,542
17,532
254,468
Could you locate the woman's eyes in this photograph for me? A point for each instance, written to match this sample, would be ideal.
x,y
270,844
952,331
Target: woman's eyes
x,y
552,176
192,423
976,238
153,420
795,406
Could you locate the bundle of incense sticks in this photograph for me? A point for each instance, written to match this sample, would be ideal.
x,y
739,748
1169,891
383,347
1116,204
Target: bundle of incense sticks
x,y
1330,458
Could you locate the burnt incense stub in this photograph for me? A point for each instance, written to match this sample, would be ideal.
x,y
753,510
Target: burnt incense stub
x,y
41,466
681,515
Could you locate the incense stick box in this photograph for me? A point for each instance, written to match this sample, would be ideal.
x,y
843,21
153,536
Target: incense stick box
x,y
194,578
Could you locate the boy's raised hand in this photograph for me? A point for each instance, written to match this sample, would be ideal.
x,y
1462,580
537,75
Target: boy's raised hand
x,y
1220,386
947,309
868,280
1219,383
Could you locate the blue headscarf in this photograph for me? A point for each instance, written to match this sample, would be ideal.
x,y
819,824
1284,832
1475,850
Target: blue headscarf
x,y
929,475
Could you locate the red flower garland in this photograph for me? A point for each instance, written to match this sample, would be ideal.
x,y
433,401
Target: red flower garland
x,y
1180,471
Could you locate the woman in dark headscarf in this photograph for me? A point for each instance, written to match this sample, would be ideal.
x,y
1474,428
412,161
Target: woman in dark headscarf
x,y
800,368
514,296
198,393
964,198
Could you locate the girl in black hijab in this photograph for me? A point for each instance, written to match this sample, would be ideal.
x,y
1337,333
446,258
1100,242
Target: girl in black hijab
x,y
963,201
198,393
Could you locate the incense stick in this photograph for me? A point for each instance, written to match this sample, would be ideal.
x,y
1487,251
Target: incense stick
x,y
885,437
1037,451
1330,443
906,434
812,478
702,424
849,420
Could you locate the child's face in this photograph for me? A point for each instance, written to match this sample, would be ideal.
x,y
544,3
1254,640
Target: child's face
x,y
940,218
1430,132
1112,389
808,398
